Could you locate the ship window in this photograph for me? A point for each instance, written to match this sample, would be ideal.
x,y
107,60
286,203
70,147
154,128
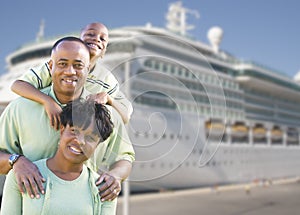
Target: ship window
x,y
165,67
137,134
146,134
172,70
45,52
156,65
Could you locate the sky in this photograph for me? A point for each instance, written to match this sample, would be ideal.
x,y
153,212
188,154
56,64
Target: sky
x,y
264,31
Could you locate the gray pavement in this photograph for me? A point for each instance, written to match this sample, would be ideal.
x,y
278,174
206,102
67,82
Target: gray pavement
x,y
280,198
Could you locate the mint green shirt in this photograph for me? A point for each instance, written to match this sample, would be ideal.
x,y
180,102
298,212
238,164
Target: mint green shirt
x,y
76,197
25,129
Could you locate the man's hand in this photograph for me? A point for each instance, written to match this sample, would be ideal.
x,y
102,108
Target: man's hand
x,y
109,187
29,177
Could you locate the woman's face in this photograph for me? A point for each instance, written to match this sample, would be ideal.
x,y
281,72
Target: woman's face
x,y
77,144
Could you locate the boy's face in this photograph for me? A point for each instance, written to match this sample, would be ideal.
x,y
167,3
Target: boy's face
x,y
78,144
95,35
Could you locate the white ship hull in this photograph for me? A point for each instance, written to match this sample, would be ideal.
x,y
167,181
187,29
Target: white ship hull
x,y
192,161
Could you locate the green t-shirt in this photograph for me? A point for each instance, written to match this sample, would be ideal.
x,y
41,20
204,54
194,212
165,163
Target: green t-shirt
x,y
77,197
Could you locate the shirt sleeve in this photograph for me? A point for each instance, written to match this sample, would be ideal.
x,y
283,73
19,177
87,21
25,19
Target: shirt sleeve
x,y
9,140
39,77
103,77
112,82
126,104
119,146
11,198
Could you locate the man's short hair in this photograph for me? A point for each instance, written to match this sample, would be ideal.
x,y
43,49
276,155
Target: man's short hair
x,y
69,38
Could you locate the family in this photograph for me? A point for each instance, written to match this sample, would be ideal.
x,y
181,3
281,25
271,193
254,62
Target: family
x,y
63,142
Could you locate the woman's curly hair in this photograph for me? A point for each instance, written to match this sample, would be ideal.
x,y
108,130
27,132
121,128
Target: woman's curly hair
x,y
81,113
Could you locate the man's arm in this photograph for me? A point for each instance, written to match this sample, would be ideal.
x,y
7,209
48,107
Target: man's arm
x,y
4,165
118,156
27,174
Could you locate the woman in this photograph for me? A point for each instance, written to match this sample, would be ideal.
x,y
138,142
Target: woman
x,y
70,185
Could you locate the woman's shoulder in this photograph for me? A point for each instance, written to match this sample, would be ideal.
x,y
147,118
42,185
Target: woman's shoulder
x,y
41,164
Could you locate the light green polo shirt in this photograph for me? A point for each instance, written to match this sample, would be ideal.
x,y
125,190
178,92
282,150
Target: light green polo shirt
x,y
25,129
76,197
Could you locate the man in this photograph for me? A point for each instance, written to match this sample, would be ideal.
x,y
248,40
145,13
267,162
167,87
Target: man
x,y
26,134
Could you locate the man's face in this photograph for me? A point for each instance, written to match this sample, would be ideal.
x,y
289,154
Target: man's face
x,y
69,68
95,35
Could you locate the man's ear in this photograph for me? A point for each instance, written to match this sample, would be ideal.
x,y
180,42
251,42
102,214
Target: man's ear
x,y
50,64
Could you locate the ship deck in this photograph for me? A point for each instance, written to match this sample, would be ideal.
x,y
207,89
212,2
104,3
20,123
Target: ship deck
x,y
277,197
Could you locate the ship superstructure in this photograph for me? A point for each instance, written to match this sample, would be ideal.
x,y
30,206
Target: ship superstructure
x,y
201,116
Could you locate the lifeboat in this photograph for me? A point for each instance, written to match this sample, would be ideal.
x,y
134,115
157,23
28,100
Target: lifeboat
x,y
214,128
259,132
292,135
239,130
276,133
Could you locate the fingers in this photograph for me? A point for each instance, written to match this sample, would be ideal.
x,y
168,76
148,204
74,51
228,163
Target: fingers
x,y
110,189
28,178
55,121
100,98
53,111
110,193
33,186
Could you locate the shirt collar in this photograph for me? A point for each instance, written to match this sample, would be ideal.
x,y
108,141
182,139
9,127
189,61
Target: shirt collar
x,y
50,92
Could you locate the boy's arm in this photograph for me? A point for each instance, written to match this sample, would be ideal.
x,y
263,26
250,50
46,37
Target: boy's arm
x,y
28,91
114,96
122,105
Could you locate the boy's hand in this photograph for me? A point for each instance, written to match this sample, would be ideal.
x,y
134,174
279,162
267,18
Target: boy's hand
x,y
53,111
100,98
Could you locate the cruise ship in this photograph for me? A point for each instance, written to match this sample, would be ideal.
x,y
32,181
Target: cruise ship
x,y
201,116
